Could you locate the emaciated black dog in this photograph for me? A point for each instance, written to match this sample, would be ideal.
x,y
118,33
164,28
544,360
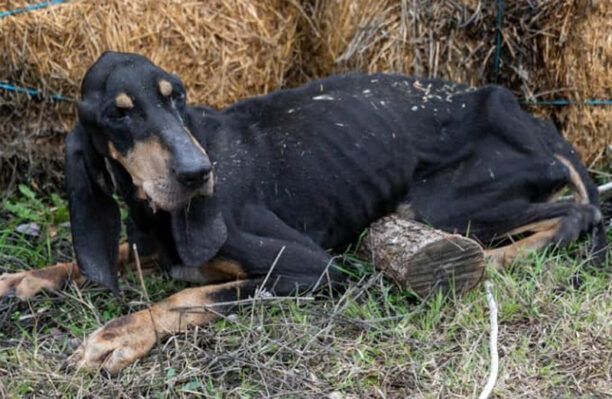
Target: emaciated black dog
x,y
256,193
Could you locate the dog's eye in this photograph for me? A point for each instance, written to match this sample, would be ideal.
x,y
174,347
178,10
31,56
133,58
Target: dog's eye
x,y
179,99
117,113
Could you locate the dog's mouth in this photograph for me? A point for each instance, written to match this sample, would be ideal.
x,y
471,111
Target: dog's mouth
x,y
163,186
168,195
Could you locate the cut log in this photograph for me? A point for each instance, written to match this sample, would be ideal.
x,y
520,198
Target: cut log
x,y
422,258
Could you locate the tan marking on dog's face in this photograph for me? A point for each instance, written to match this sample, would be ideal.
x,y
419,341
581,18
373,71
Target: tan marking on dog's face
x,y
124,101
148,160
148,163
165,87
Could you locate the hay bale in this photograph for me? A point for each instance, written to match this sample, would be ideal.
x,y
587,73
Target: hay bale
x,y
417,38
582,69
457,40
223,50
452,39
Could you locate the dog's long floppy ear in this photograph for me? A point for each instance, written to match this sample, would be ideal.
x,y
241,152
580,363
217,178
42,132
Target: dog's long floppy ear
x,y
95,220
199,231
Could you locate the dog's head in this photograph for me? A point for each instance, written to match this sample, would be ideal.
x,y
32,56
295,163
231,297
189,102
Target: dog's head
x,y
135,113
133,120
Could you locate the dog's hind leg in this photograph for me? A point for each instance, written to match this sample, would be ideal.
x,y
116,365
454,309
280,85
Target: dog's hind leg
x,y
543,234
559,223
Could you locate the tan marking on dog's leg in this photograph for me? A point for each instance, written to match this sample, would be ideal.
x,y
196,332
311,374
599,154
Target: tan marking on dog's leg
x,y
165,87
29,283
536,227
556,196
128,338
214,272
504,256
578,188
127,263
124,101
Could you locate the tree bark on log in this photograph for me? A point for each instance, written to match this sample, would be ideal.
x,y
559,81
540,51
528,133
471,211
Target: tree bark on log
x,y
422,258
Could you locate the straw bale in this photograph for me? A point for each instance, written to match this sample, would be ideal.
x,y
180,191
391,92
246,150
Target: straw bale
x,y
456,40
413,37
583,71
223,50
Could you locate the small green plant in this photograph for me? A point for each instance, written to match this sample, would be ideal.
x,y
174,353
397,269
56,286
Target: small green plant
x,y
29,208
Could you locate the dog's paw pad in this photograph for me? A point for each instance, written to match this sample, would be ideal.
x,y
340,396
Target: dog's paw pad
x,y
116,345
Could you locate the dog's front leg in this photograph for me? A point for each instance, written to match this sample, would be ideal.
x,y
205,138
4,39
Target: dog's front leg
x,y
128,338
29,283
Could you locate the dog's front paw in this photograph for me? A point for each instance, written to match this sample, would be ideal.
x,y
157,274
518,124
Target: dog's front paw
x,y
10,284
118,344
29,283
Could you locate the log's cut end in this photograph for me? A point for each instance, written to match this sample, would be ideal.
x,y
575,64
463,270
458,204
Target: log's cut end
x,y
421,258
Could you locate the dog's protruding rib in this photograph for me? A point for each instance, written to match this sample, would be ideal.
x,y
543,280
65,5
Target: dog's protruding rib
x,y
124,101
165,87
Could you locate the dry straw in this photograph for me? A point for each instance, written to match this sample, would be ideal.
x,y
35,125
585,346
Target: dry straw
x,y
585,69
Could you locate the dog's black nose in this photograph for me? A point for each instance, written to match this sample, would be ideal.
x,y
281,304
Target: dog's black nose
x,y
193,176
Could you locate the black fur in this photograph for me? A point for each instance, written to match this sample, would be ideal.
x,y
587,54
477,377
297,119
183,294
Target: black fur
x,y
304,170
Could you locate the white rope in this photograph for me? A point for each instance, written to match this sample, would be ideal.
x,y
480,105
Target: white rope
x,y
488,389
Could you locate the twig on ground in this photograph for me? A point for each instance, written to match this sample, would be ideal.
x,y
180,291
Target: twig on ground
x,y
488,389
261,288
148,301
605,190
140,275
204,308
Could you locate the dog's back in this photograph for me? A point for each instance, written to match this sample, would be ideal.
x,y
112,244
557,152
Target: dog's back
x,y
334,155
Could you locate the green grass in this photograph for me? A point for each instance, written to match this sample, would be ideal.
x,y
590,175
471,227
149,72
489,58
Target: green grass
x,y
375,340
